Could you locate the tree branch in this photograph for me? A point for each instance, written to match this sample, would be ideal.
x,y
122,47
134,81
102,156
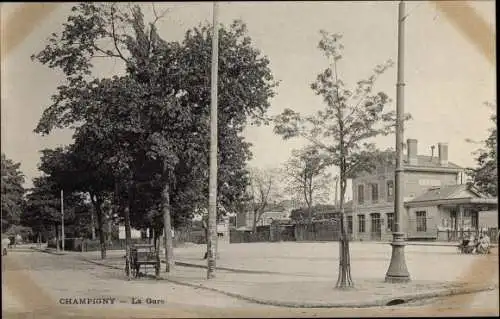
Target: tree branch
x,y
115,40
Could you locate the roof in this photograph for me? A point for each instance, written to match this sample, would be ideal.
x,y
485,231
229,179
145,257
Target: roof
x,y
454,195
448,192
430,161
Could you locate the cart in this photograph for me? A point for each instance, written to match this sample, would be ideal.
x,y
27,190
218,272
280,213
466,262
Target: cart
x,y
143,255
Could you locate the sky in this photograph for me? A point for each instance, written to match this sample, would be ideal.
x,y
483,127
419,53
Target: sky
x,y
447,78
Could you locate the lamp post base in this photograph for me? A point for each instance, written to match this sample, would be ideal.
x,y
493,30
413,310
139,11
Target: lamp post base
x,y
397,272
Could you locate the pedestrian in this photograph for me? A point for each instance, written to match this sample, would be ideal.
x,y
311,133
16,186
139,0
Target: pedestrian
x,y
484,244
5,245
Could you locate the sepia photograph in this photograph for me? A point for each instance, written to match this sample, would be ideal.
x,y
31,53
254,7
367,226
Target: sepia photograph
x,y
249,159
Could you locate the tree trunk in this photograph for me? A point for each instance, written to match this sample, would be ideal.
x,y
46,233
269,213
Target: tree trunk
x,y
97,201
57,236
128,236
254,228
344,279
109,228
165,201
205,231
92,224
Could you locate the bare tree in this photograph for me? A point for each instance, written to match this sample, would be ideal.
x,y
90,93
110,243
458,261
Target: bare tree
x,y
264,189
307,178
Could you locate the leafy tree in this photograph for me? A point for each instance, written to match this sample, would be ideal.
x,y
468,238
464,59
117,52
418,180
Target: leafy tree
x,y
485,175
80,169
155,118
343,129
12,192
43,209
307,176
43,205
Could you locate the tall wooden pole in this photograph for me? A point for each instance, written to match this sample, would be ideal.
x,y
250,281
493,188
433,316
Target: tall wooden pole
x,y
62,220
336,191
398,271
212,197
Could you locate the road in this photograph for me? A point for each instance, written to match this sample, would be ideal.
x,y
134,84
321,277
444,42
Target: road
x,y
34,281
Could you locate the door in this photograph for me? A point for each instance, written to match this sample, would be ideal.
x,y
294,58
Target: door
x,y
376,227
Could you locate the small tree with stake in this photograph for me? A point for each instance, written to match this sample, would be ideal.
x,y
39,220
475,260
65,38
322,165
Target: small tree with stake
x,y
343,129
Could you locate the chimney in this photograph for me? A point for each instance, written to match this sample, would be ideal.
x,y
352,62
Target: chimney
x,y
412,151
432,152
443,154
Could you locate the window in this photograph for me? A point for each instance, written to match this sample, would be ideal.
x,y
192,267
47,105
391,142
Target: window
x,y
421,221
390,222
361,223
474,220
390,190
374,188
361,194
349,224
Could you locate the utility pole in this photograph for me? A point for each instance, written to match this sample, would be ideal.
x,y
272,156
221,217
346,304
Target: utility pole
x,y
398,271
336,190
212,184
62,220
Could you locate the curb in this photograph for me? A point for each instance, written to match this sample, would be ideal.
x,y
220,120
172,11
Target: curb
x,y
430,244
244,271
48,251
368,304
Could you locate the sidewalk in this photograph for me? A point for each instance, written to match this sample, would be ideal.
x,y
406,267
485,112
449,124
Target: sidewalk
x,y
288,290
304,275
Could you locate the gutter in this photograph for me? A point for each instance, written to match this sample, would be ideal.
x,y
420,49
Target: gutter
x,y
464,200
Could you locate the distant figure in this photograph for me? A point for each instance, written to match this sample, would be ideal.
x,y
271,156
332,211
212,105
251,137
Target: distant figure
x,y
5,245
483,244
19,239
12,241
472,243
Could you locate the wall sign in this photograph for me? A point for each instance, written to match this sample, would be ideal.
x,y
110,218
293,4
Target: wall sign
x,y
429,182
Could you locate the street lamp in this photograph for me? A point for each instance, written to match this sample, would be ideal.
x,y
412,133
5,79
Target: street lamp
x,y
398,271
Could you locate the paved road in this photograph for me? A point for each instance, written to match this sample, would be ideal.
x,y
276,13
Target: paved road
x,y
38,281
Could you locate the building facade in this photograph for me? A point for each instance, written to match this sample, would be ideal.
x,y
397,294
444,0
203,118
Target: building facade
x,y
372,216
445,213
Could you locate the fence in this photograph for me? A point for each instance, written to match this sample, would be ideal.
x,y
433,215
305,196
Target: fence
x,y
83,244
189,235
282,232
457,235
317,231
262,234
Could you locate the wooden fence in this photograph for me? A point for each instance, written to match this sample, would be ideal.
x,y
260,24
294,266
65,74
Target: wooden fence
x,y
262,234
